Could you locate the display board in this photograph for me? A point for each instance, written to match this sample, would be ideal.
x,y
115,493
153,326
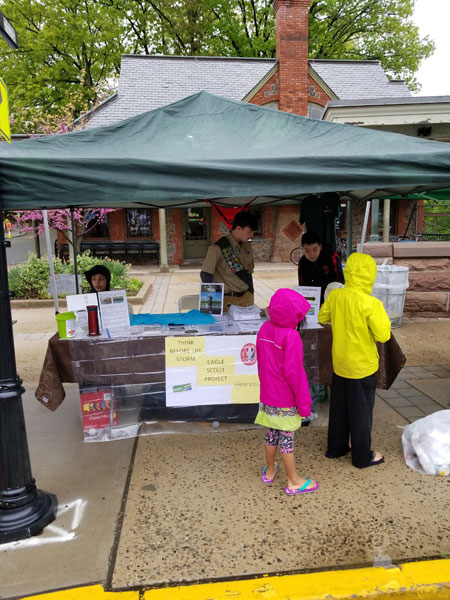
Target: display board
x,y
211,370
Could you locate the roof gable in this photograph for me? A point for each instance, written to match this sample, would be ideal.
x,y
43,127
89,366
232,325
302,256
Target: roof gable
x,y
355,79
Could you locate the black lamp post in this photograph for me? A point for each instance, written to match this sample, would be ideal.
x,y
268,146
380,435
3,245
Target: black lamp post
x,y
24,510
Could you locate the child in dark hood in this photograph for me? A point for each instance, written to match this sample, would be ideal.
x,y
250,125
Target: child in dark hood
x,y
99,278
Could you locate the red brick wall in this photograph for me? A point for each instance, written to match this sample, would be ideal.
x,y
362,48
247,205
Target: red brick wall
x,y
316,94
292,53
268,93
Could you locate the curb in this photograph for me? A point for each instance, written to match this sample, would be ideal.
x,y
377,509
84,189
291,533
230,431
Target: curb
x,y
426,580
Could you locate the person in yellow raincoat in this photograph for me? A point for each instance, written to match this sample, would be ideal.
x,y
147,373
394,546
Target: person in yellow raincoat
x,y
358,321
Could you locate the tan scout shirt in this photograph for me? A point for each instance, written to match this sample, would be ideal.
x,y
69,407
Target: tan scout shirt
x,y
216,265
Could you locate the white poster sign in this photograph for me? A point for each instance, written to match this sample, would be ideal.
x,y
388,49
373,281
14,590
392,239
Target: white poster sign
x,y
312,294
211,370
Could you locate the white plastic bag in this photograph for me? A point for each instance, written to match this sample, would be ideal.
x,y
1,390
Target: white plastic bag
x,y
426,444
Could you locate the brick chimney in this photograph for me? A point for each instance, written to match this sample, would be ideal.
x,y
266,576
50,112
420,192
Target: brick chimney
x,y
292,53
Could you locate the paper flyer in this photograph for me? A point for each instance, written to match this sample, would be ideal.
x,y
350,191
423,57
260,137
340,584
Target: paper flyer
x,y
312,294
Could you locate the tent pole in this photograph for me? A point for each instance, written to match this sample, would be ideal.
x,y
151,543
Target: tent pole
x,y
24,510
374,236
364,229
386,219
164,265
349,228
74,247
50,261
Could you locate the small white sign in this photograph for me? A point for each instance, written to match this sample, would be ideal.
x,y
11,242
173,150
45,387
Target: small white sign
x,y
312,294
65,284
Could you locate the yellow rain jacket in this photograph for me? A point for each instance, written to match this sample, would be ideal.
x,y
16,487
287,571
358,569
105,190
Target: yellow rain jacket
x,y
358,320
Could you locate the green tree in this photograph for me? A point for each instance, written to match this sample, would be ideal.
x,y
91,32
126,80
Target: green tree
x,y
369,29
68,52
339,29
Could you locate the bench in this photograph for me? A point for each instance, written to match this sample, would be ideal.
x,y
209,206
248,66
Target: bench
x,y
124,248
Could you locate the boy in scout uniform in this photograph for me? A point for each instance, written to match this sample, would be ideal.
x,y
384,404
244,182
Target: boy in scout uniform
x,y
230,261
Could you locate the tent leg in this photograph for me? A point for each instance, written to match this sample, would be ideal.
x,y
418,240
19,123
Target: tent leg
x,y
364,229
349,228
164,265
386,219
374,237
74,248
50,261
24,510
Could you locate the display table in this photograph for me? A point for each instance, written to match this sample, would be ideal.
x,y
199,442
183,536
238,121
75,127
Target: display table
x,y
136,369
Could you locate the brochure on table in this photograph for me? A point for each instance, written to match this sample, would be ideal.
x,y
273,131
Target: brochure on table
x,y
112,309
312,294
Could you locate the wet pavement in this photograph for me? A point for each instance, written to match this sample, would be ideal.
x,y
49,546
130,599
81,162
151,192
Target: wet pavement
x,y
186,508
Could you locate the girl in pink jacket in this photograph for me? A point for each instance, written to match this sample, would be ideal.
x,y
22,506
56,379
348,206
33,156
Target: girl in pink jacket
x,y
284,391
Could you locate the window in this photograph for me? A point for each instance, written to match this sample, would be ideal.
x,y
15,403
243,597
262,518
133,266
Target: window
x,y
139,222
100,229
258,213
315,111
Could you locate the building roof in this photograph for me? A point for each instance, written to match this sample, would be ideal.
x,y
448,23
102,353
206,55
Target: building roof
x,y
148,82
355,79
391,101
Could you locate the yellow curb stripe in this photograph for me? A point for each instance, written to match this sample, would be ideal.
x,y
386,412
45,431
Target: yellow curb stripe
x,y
427,580
91,592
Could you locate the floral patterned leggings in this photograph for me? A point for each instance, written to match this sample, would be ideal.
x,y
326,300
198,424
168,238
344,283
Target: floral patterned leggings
x,y
285,439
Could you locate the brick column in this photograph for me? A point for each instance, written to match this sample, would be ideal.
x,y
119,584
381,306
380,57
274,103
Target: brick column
x,y
292,53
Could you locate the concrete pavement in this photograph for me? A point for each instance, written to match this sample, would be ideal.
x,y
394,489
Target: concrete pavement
x,y
138,514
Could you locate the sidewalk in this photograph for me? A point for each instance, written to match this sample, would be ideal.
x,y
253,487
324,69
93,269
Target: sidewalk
x,y
172,509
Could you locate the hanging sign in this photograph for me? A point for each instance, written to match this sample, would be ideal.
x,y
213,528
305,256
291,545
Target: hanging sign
x,y
4,113
8,32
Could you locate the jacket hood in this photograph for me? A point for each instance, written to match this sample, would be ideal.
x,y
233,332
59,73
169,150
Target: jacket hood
x,y
98,270
360,272
287,308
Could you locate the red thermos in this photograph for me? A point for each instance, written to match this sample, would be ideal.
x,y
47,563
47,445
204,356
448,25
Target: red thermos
x,y
92,312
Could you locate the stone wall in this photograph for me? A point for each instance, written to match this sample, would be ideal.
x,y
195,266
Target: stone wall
x,y
428,294
288,233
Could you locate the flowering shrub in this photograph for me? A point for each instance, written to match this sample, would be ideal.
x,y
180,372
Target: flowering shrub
x,y
31,279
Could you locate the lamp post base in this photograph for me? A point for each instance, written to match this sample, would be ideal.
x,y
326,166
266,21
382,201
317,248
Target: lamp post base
x,y
21,522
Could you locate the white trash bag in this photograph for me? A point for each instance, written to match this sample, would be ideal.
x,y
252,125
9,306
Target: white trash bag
x,y
426,444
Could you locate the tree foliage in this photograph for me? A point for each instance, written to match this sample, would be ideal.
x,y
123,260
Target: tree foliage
x,y
85,220
69,50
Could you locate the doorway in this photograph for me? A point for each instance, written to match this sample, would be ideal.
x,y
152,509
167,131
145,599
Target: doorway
x,y
196,232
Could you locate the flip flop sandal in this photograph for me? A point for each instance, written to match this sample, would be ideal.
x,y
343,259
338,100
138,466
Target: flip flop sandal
x,y
302,490
264,478
374,462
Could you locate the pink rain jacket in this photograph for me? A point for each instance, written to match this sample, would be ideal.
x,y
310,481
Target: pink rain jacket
x,y
279,349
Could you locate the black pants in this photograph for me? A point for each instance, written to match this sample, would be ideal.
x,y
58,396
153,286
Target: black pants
x,y
351,415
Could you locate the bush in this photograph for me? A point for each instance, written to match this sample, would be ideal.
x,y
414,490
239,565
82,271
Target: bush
x,y
31,279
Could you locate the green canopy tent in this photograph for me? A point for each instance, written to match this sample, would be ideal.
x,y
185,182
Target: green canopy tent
x,y
207,147
200,148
